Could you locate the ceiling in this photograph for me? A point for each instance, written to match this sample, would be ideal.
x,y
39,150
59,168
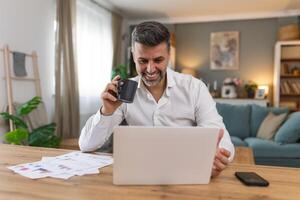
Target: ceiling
x,y
203,10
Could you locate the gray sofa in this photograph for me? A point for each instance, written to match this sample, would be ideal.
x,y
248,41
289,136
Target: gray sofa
x,y
243,122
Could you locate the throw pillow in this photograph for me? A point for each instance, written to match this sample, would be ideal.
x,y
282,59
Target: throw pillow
x,y
270,125
289,132
259,113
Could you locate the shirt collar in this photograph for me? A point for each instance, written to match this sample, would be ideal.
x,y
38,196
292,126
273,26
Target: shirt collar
x,y
170,80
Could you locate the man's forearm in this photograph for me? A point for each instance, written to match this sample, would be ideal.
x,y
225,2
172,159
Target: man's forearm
x,y
95,132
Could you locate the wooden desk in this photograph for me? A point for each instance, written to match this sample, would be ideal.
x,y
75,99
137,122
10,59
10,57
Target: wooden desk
x,y
284,183
70,143
243,155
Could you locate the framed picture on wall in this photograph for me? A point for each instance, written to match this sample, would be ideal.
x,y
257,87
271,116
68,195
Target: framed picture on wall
x,y
224,50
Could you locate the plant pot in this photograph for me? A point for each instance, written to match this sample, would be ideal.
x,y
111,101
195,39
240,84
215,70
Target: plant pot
x,y
251,94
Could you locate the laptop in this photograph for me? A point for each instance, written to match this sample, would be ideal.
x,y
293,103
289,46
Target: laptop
x,y
163,155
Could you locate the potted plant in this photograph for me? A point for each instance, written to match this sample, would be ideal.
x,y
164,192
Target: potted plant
x,y
250,88
120,70
42,136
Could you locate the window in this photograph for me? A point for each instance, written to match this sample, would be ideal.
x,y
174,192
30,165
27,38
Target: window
x,y
95,54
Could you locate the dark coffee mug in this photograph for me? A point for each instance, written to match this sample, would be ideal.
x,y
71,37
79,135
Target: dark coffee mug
x,y
126,90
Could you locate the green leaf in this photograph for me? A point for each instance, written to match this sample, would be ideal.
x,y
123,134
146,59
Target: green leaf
x,y
53,142
120,70
30,105
18,136
16,120
44,136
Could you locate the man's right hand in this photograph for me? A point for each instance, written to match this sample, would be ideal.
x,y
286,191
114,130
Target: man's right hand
x,y
110,102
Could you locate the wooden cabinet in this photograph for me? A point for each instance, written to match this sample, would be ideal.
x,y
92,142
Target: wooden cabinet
x,y
287,75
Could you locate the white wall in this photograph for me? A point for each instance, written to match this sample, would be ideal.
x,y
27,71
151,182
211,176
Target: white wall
x,y
25,26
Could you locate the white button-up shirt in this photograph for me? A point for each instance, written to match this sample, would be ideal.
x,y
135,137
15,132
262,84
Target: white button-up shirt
x,y
185,102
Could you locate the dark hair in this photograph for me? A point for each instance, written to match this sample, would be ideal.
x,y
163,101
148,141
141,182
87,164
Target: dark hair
x,y
150,33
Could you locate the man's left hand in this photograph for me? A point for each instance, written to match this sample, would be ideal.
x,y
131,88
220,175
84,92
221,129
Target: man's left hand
x,y
221,158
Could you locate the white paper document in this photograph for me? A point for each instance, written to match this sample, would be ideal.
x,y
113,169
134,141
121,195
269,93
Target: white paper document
x,y
64,166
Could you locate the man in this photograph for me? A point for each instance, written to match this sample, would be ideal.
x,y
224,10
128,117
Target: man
x,y
163,97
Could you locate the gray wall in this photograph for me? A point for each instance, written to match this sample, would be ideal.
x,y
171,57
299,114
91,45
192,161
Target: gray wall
x,y
257,41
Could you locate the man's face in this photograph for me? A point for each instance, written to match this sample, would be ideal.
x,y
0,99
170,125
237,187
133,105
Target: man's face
x,y
151,62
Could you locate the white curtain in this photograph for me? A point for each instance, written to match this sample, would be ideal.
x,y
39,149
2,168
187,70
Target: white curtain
x,y
95,55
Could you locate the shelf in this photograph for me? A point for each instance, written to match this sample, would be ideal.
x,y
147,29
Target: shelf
x,y
290,60
289,76
22,79
290,95
287,57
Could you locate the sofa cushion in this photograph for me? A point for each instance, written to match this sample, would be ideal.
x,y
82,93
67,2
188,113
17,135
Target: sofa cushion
x,y
270,125
270,149
238,142
289,132
236,119
259,113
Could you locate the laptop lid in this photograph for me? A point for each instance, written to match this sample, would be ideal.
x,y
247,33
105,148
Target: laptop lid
x,y
163,155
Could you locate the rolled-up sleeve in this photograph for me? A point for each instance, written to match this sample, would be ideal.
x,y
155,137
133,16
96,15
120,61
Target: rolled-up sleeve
x,y
98,129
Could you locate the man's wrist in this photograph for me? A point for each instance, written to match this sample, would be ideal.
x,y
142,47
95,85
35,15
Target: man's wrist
x,y
103,112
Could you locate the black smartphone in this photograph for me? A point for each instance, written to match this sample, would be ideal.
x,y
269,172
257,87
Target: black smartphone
x,y
251,179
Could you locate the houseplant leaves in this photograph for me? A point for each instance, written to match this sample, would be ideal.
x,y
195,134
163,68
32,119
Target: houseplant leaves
x,y
17,136
44,136
119,70
19,123
30,105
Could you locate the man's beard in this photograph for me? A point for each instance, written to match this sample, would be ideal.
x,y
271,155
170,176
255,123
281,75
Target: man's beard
x,y
150,83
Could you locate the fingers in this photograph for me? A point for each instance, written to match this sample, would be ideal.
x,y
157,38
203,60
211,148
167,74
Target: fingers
x,y
220,162
221,133
111,86
224,160
223,155
108,96
216,170
116,78
114,83
219,166
222,152
215,173
225,152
